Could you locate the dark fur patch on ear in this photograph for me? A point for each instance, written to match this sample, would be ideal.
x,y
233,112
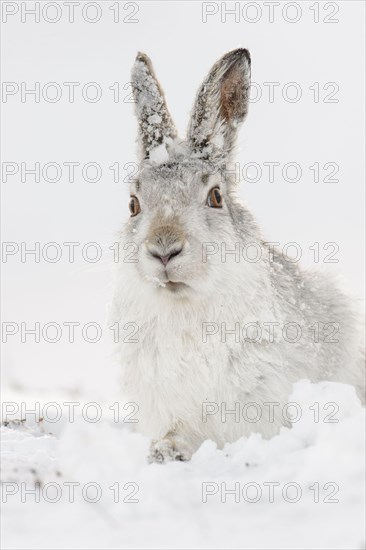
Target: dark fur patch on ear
x,y
232,95
221,106
234,89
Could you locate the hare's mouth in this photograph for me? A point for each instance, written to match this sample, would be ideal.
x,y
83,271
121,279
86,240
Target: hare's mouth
x,y
174,287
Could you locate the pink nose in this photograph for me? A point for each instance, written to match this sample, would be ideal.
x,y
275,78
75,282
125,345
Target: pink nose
x,y
165,259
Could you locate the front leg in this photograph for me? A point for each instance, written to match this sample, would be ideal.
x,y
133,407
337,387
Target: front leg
x,y
170,447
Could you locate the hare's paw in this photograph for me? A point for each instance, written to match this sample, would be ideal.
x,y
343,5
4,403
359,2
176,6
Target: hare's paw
x,y
166,450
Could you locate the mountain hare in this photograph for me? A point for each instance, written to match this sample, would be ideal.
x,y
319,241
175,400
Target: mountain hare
x,y
222,323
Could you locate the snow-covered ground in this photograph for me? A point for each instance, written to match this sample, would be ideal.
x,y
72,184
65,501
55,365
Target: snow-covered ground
x,y
302,489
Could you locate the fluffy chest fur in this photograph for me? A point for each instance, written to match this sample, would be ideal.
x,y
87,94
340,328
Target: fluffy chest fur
x,y
174,368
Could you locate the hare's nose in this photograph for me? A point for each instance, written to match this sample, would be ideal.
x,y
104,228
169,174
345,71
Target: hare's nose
x,y
165,259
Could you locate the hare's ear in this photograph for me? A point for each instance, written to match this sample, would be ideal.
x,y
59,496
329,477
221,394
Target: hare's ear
x,y
221,105
155,123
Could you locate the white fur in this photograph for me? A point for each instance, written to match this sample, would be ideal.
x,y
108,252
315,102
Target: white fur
x,y
171,372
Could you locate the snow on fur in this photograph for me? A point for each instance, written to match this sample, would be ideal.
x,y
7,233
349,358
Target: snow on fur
x,y
155,123
172,369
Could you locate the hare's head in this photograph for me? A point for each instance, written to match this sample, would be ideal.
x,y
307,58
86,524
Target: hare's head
x,y
182,205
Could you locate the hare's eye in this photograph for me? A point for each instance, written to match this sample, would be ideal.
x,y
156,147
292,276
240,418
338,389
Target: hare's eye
x,y
214,199
134,206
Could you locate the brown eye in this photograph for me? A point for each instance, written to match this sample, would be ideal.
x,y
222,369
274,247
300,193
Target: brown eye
x,y
214,199
134,206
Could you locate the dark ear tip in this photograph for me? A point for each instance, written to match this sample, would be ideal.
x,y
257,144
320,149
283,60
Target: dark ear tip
x,y
143,58
246,54
239,55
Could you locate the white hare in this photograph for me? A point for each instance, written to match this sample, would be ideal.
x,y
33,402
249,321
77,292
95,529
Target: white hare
x,y
214,329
